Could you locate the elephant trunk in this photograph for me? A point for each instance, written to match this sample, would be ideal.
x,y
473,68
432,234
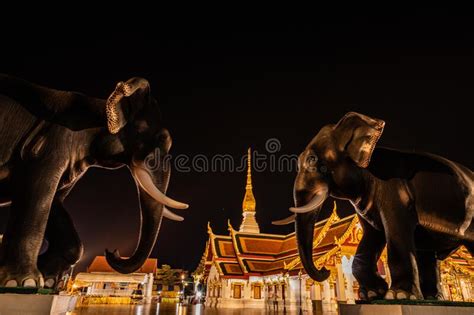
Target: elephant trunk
x,y
152,212
304,225
151,216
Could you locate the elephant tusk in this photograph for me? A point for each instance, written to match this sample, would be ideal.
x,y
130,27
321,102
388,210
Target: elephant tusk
x,y
145,181
317,201
5,204
285,221
170,215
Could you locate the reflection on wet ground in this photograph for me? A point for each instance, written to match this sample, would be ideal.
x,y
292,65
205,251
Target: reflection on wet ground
x,y
168,309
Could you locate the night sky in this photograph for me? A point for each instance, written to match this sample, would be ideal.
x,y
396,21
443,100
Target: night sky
x,y
229,84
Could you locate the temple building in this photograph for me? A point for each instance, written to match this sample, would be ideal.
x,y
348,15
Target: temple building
x,y
103,285
250,269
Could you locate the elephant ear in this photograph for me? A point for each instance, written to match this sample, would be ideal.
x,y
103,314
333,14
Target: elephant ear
x,y
357,135
136,91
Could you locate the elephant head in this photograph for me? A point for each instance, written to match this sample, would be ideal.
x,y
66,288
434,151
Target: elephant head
x,y
331,165
136,137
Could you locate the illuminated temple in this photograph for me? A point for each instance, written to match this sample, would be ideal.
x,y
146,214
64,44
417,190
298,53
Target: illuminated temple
x,y
256,270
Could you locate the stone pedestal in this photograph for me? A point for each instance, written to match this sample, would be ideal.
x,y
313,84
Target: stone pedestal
x,y
371,309
36,304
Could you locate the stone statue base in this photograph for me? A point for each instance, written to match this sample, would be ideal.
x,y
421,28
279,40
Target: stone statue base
x,y
33,304
409,308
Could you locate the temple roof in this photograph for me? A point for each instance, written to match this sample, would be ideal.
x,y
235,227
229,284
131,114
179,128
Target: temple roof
x,y
99,264
241,254
461,261
244,254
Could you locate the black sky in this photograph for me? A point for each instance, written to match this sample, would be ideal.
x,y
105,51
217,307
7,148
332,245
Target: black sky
x,y
230,84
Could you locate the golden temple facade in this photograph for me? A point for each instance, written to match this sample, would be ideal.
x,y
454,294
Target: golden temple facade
x,y
255,270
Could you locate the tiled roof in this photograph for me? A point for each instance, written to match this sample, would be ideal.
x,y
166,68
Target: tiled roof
x,y
99,264
243,254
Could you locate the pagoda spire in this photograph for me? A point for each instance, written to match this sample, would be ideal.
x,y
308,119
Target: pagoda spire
x,y
249,205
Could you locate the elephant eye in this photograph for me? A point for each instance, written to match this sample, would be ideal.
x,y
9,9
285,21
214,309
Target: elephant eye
x,y
312,159
311,162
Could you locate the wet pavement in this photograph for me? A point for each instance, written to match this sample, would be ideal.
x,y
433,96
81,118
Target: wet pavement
x,y
170,309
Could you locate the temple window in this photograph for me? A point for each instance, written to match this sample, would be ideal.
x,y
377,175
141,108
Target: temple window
x,y
237,291
257,292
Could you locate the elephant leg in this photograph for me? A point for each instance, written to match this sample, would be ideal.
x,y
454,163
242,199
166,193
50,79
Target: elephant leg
x,y
65,248
34,184
399,232
364,266
429,274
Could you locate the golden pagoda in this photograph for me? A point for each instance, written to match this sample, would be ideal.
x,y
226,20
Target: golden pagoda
x,y
249,205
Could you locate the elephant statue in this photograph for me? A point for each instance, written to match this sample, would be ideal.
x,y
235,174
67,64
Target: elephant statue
x,y
48,140
419,205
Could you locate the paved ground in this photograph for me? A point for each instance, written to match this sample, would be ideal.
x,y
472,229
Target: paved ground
x,y
168,310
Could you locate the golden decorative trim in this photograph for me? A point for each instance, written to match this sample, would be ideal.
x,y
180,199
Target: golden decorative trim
x,y
459,268
324,258
292,264
348,231
200,269
338,242
214,253
209,229
236,249
319,238
327,226
463,253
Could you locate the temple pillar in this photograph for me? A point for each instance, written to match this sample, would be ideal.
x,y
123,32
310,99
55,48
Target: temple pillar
x,y
333,298
268,297
196,285
148,288
350,288
340,281
316,291
326,297
285,293
308,295
316,298
464,290
294,293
